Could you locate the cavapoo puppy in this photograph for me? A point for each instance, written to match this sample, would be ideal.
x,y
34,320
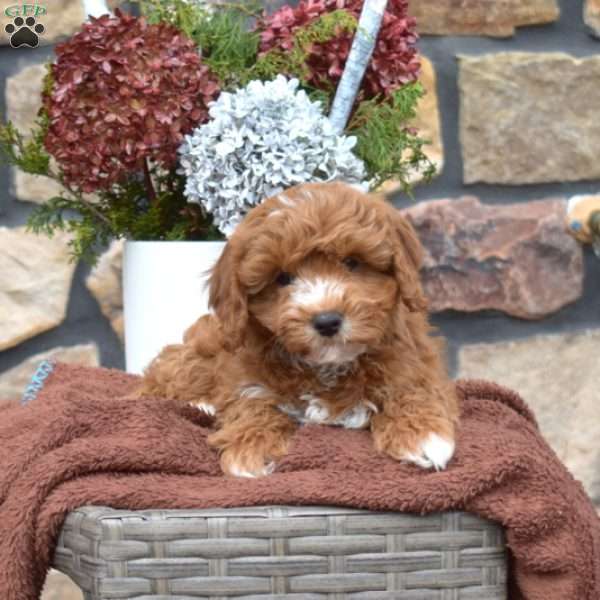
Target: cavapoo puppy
x,y
319,317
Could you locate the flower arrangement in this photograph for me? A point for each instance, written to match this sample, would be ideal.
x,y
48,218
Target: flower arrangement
x,y
172,124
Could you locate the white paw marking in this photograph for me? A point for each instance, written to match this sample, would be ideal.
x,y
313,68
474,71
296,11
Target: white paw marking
x,y
434,452
315,411
207,408
357,417
240,472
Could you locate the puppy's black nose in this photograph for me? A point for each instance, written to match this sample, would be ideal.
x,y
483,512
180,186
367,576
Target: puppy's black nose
x,y
328,323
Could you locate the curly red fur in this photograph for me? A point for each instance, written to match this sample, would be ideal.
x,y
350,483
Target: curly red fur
x,y
262,367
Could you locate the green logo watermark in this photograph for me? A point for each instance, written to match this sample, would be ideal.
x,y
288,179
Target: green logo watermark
x,y
25,28
25,10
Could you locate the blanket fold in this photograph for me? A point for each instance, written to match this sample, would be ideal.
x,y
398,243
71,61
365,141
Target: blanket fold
x,y
81,442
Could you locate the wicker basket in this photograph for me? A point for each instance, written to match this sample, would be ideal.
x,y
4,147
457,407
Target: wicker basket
x,y
306,553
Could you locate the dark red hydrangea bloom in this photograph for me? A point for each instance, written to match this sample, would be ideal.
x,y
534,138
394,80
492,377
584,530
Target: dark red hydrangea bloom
x,y
395,61
123,91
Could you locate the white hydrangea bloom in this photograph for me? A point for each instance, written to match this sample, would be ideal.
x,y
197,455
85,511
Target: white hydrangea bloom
x,y
260,140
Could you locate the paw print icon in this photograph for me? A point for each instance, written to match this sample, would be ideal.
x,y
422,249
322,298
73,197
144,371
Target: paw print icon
x,y
24,32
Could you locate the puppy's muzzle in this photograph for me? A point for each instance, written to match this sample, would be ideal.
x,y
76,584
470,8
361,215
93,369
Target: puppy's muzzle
x,y
328,324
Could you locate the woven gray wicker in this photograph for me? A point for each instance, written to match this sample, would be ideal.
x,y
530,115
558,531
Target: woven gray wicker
x,y
281,553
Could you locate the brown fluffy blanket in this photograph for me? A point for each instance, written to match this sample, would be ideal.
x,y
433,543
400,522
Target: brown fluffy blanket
x,y
77,443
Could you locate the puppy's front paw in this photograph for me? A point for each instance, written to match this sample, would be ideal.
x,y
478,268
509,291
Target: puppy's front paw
x,y
427,449
243,465
433,452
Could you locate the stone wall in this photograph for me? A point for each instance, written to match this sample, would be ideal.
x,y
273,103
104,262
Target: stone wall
x,y
519,302
512,112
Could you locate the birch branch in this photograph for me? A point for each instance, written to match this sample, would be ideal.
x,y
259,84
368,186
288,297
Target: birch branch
x,y
369,24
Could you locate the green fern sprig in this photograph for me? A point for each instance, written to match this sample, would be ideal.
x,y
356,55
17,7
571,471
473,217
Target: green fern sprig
x,y
228,47
390,149
26,153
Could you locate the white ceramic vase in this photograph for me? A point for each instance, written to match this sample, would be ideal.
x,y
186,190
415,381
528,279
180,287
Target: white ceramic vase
x,y
164,292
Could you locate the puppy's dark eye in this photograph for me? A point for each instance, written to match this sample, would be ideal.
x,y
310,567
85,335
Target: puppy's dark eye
x,y
351,263
284,278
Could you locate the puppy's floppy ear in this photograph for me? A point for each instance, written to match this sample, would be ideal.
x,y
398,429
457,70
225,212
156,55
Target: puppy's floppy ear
x,y
227,297
408,258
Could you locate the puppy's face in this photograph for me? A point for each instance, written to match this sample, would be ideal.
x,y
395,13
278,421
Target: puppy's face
x,y
323,269
326,306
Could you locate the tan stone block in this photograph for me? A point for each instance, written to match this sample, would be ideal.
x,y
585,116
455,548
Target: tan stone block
x,y
14,381
60,587
64,18
105,283
427,122
557,375
23,96
36,273
34,188
591,16
23,101
529,117
481,17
